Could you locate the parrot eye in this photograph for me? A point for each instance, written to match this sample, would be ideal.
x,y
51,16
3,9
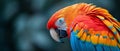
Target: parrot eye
x,y
61,20
60,23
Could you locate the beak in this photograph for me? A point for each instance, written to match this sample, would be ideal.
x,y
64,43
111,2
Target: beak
x,y
55,35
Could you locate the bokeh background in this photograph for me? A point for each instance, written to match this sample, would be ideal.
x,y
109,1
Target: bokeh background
x,y
23,23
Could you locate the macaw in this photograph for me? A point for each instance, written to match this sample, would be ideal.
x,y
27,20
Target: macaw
x,y
89,28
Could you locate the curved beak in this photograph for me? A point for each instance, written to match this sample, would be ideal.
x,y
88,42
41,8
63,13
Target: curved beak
x,y
55,35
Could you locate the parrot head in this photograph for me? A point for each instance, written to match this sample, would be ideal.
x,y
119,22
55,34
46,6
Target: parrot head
x,y
57,26
59,23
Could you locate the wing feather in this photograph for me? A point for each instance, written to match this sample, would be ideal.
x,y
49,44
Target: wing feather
x,y
99,40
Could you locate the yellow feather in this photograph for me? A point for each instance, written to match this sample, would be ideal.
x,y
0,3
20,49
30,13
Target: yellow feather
x,y
105,36
83,38
116,26
101,17
107,23
88,38
102,38
94,38
108,41
80,33
113,42
118,37
114,30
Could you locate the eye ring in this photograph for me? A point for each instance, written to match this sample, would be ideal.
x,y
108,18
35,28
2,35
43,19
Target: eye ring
x,y
61,20
60,23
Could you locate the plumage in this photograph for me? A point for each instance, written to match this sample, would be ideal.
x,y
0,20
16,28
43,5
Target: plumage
x,y
89,28
103,38
106,48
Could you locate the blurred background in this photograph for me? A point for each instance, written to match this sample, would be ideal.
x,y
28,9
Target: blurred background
x,y
23,23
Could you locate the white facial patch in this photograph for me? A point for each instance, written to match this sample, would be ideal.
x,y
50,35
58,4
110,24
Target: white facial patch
x,y
60,23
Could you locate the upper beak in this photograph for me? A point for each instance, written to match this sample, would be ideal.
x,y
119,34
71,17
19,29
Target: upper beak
x,y
55,35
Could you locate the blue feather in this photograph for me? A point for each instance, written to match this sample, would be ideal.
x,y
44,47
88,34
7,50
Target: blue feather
x,y
74,42
82,45
115,49
90,46
73,45
99,47
106,48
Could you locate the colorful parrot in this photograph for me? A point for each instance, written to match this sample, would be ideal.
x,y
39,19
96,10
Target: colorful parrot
x,y
89,28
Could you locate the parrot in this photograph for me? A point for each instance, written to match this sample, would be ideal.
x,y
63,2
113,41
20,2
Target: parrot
x,y
87,26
